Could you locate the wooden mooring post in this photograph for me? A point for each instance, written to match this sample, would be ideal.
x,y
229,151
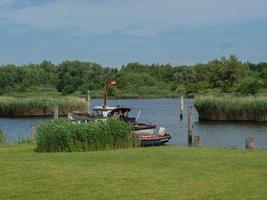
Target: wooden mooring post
x,y
33,134
181,107
6,138
196,141
89,100
190,125
250,143
20,139
56,112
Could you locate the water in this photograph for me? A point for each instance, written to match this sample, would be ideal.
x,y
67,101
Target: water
x,y
165,113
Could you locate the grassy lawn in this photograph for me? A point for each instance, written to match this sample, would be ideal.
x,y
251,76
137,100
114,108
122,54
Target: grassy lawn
x,y
143,173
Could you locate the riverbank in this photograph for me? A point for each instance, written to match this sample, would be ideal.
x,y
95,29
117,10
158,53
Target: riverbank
x,y
140,173
96,94
40,106
231,108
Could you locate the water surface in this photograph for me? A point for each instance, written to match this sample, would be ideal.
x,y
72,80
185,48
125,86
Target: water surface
x,y
165,113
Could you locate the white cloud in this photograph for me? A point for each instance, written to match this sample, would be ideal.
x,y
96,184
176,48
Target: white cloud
x,y
139,17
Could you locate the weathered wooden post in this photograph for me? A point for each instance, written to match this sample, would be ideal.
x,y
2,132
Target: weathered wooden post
x,y
89,101
190,125
181,107
20,139
33,134
6,138
250,143
196,141
56,112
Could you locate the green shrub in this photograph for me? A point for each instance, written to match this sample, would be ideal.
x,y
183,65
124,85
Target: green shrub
x,y
64,136
249,86
2,137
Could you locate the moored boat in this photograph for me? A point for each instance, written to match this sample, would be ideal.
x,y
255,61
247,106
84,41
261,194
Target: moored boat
x,y
152,139
104,111
144,128
101,114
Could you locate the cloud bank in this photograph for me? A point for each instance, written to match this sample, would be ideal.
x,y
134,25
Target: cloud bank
x,y
115,32
139,17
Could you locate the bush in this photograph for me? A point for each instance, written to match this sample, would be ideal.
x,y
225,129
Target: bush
x,y
64,136
249,86
2,137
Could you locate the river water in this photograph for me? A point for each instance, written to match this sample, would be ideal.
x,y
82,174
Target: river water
x,y
165,113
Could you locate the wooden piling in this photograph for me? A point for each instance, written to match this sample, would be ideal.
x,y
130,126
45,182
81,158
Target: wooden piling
x,y
20,139
56,112
181,107
6,138
196,141
250,143
89,100
190,125
33,134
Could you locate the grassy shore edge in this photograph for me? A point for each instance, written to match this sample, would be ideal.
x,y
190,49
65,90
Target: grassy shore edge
x,y
138,173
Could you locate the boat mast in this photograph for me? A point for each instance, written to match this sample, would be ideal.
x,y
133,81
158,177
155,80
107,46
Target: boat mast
x,y
105,95
106,90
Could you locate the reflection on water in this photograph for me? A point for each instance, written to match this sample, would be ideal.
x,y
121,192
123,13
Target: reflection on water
x,y
165,112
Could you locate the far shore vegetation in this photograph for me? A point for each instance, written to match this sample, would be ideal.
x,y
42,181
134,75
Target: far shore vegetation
x,y
134,80
250,108
40,106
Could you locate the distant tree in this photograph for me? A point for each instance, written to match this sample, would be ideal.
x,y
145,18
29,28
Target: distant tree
x,y
136,79
225,73
249,86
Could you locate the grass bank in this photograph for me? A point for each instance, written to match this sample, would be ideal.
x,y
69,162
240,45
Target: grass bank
x,y
39,106
232,108
140,173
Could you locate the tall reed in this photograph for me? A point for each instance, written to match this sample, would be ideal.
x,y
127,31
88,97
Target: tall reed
x,y
232,108
64,136
39,106
3,137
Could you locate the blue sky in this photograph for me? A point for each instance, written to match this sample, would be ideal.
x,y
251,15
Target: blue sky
x,y
115,32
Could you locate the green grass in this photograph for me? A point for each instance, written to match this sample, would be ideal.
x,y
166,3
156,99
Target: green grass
x,y
251,108
39,106
140,173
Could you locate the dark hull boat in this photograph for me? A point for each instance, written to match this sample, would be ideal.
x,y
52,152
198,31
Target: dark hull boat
x,y
101,114
144,128
146,140
145,132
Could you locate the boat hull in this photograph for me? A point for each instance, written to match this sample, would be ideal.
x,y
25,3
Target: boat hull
x,y
144,128
153,139
146,131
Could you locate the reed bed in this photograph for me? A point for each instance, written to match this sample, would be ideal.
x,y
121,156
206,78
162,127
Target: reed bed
x,y
3,137
231,108
39,106
64,136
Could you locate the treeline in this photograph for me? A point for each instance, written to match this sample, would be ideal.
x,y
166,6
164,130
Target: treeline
x,y
225,75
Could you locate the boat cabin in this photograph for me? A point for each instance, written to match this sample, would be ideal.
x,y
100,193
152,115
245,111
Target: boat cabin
x,y
118,112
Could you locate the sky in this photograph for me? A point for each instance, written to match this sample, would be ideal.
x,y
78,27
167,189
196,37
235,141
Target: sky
x,y
116,32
